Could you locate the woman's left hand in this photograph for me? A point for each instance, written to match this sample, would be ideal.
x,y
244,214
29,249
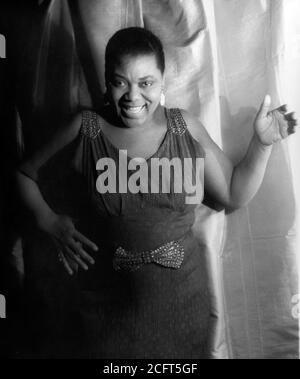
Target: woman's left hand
x,y
273,126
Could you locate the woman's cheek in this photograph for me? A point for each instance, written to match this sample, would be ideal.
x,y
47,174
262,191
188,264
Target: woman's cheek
x,y
154,95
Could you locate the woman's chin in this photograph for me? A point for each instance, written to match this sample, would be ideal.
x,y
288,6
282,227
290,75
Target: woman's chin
x,y
132,122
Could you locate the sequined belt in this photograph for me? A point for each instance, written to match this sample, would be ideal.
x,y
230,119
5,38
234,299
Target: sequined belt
x,y
169,255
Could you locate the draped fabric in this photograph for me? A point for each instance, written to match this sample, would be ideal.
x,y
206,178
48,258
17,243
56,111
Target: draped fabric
x,y
223,56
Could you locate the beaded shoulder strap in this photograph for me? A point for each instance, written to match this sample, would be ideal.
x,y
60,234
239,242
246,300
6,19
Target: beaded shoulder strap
x,y
177,124
90,124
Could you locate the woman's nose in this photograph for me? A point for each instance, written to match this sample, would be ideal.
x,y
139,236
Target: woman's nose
x,y
133,93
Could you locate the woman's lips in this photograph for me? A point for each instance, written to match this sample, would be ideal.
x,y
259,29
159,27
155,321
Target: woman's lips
x,y
133,110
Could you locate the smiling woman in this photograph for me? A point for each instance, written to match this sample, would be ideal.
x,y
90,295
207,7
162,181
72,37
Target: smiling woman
x,y
146,294
135,66
135,89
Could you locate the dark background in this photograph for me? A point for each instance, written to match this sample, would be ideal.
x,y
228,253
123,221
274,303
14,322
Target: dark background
x,y
38,301
18,21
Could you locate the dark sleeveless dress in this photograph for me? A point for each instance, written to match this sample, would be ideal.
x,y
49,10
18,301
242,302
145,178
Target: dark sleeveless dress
x,y
147,296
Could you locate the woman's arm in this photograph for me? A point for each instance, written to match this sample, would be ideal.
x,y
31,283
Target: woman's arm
x,y
27,174
235,186
60,228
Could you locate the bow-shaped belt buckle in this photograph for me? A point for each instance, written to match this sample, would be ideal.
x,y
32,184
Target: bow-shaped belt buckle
x,y
169,255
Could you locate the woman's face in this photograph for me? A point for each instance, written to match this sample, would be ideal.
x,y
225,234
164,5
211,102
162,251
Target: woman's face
x,y
135,89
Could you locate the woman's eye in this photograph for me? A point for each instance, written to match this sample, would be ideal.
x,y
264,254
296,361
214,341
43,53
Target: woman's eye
x,y
119,83
147,84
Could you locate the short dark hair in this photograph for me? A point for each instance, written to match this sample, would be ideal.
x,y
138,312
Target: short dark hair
x,y
132,42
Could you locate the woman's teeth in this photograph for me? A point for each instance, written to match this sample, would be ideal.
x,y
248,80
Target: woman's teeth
x,y
134,110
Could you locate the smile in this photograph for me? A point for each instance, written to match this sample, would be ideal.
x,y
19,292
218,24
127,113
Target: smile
x,y
133,110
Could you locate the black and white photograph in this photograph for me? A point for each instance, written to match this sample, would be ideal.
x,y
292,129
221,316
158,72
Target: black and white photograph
x,y
150,182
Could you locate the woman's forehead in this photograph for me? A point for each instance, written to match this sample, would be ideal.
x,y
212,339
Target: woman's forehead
x,y
143,64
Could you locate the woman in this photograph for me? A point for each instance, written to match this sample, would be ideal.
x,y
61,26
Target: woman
x,y
142,276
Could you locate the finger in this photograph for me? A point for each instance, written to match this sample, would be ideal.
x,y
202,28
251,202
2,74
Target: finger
x,y
86,256
265,107
282,109
76,258
85,240
280,121
285,120
290,116
78,249
291,130
292,123
283,125
68,253
66,263
283,132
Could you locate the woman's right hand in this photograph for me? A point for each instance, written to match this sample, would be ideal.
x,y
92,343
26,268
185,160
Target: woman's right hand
x,y
70,242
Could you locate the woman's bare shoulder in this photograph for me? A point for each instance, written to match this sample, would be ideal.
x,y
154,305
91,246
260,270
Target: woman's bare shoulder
x,y
80,121
196,128
67,132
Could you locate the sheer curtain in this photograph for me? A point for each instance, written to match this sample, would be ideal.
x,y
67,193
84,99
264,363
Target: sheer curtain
x,y
258,49
223,56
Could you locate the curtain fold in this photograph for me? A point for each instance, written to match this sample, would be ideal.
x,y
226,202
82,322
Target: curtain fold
x,y
222,58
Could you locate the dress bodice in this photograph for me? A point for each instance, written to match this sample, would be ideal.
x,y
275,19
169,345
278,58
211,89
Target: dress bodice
x,y
122,186
142,195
